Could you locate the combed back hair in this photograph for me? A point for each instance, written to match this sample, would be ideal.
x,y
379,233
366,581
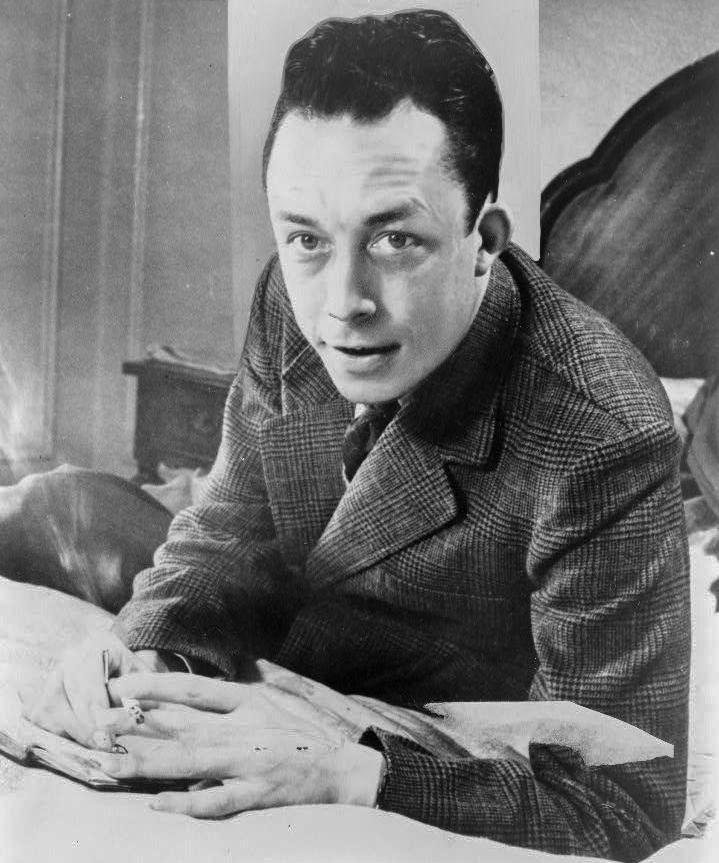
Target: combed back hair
x,y
364,67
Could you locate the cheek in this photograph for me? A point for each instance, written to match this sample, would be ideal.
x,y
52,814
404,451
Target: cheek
x,y
442,304
306,302
430,297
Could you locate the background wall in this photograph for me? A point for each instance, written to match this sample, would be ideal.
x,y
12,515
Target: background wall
x,y
32,47
598,58
187,269
261,31
114,214
114,177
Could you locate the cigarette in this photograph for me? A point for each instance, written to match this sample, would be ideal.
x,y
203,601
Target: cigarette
x,y
132,705
106,673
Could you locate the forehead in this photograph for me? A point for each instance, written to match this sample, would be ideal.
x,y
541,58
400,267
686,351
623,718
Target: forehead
x,y
321,160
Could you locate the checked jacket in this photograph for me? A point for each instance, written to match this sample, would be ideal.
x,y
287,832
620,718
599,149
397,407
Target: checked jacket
x,y
517,532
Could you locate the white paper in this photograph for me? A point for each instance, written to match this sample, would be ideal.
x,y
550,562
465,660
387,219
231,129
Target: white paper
x,y
486,727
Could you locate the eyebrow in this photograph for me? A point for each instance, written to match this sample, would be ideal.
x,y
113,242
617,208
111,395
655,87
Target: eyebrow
x,y
381,218
297,219
394,215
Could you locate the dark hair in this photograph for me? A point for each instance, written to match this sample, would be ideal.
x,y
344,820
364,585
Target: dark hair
x,y
365,66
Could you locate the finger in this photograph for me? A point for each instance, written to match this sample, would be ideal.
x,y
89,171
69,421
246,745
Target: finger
x,y
177,687
56,717
52,711
161,761
217,802
119,720
86,694
84,675
158,722
188,758
154,758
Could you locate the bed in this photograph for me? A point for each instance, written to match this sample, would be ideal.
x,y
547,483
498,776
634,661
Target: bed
x,y
633,231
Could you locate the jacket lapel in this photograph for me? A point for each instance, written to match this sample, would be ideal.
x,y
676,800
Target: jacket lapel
x,y
402,491
302,461
400,494
302,450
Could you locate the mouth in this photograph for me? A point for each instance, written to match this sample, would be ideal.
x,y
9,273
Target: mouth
x,y
373,350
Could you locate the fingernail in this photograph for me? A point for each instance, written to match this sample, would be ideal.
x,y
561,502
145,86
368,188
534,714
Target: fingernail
x,y
159,804
118,749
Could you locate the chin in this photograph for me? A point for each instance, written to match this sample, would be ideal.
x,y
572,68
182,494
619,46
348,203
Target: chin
x,y
366,392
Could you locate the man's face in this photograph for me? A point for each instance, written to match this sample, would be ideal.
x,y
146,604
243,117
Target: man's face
x,y
371,231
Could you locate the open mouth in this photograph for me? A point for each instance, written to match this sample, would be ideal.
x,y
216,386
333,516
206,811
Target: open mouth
x,y
367,352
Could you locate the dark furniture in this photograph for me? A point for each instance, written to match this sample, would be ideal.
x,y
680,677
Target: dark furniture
x,y
179,415
633,230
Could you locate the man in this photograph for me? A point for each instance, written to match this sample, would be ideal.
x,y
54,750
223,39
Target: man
x,y
509,526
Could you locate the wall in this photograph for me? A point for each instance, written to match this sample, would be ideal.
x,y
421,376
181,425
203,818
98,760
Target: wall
x,y
261,31
32,47
187,253
115,212
598,58
115,201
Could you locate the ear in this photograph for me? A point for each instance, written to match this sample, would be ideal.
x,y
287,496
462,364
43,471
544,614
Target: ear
x,y
494,225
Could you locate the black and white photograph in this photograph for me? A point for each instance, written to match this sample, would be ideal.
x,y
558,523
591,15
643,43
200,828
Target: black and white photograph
x,y
359,431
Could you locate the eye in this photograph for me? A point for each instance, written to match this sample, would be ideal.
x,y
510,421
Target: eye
x,y
399,240
395,241
306,247
307,242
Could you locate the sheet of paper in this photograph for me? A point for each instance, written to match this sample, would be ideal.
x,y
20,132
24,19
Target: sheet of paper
x,y
489,729
483,727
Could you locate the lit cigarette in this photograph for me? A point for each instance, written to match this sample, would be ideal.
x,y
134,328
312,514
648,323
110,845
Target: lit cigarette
x,y
132,705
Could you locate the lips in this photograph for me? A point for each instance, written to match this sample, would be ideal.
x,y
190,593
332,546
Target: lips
x,y
366,351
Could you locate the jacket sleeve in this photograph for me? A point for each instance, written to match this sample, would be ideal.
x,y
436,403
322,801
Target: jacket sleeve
x,y
610,620
218,589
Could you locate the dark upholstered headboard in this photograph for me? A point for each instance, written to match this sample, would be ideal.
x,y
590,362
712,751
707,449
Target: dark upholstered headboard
x,y
634,229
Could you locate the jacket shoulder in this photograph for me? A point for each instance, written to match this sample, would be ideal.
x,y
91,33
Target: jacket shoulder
x,y
580,351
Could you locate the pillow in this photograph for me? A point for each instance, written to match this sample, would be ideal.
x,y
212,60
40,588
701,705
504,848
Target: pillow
x,y
80,531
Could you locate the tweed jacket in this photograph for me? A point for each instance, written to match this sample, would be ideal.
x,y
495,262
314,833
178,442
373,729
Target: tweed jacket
x,y
517,532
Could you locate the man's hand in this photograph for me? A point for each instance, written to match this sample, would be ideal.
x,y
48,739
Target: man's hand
x,y
267,747
75,689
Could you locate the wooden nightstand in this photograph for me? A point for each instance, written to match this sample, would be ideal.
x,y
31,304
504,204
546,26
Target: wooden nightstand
x,y
179,415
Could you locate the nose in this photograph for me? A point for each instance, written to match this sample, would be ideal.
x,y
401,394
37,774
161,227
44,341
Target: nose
x,y
349,296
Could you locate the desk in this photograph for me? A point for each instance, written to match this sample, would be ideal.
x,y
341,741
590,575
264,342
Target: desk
x,y
179,415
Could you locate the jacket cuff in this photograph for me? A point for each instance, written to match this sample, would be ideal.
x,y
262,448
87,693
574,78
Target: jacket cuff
x,y
158,635
415,784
